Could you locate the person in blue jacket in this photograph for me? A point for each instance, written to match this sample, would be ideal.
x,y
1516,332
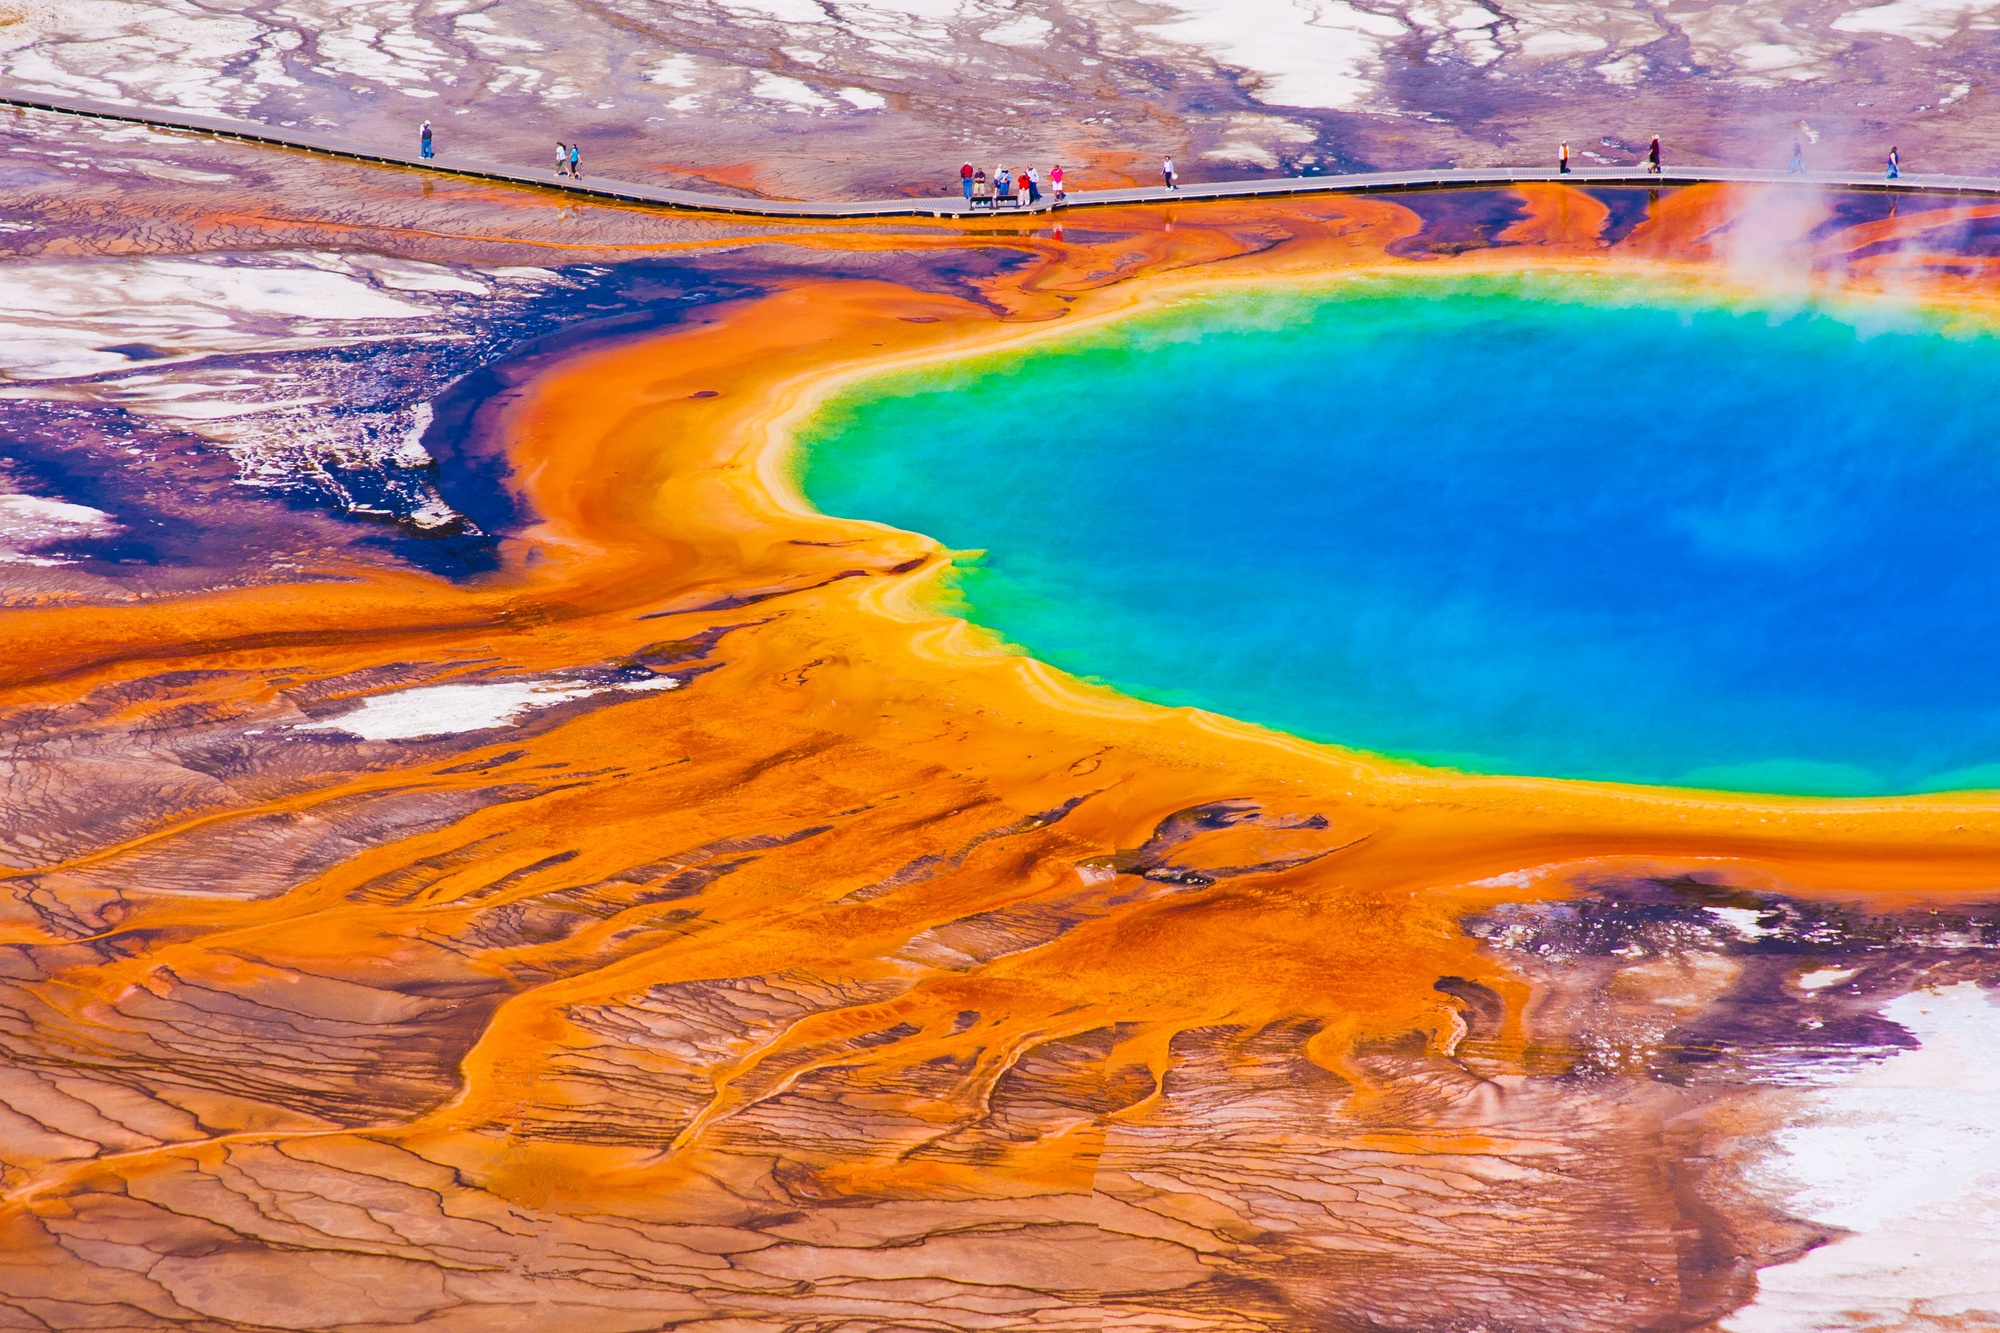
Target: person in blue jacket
x,y
1895,165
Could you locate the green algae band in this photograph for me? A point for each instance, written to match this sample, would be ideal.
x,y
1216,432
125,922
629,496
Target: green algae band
x,y
1573,527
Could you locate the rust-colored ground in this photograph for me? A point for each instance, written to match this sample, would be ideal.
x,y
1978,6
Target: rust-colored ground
x,y
871,977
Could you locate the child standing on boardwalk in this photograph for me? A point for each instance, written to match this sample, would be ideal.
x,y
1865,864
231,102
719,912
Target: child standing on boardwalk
x,y
424,141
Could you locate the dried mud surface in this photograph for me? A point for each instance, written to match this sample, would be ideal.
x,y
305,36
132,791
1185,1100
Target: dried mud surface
x,y
799,960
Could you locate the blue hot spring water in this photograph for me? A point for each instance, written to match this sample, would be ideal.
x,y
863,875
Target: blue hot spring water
x,y
1571,527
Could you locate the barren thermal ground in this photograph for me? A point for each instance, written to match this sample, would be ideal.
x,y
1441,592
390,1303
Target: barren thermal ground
x,y
1418,762
803,98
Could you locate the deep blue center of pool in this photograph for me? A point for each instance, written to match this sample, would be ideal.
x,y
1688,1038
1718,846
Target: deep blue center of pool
x,y
1566,527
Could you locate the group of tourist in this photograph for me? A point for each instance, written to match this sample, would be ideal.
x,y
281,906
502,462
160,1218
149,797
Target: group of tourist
x,y
569,156
1794,167
1025,190
1652,156
1004,187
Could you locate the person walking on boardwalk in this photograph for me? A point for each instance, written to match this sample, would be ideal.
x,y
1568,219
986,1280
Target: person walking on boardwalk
x,y
562,158
965,181
1167,174
575,158
1562,158
1653,156
424,142
1797,166
1895,165
1056,181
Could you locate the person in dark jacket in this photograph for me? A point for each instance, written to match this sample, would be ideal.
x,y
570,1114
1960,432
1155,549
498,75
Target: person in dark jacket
x,y
1653,156
424,141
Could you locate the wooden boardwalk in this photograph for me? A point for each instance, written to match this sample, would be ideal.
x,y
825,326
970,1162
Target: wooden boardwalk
x,y
953,206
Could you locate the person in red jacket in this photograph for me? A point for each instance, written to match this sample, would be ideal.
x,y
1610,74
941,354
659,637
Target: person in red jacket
x,y
965,181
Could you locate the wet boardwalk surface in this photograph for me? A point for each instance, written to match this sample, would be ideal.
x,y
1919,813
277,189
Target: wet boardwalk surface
x,y
597,187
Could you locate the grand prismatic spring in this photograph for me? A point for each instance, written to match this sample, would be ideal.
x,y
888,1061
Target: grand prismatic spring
x,y
1419,762
1580,527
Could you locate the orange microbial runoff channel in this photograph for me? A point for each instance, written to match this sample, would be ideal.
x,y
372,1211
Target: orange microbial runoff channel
x,y
783,952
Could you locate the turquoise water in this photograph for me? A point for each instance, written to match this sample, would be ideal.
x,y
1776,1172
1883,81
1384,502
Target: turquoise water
x,y
1565,527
